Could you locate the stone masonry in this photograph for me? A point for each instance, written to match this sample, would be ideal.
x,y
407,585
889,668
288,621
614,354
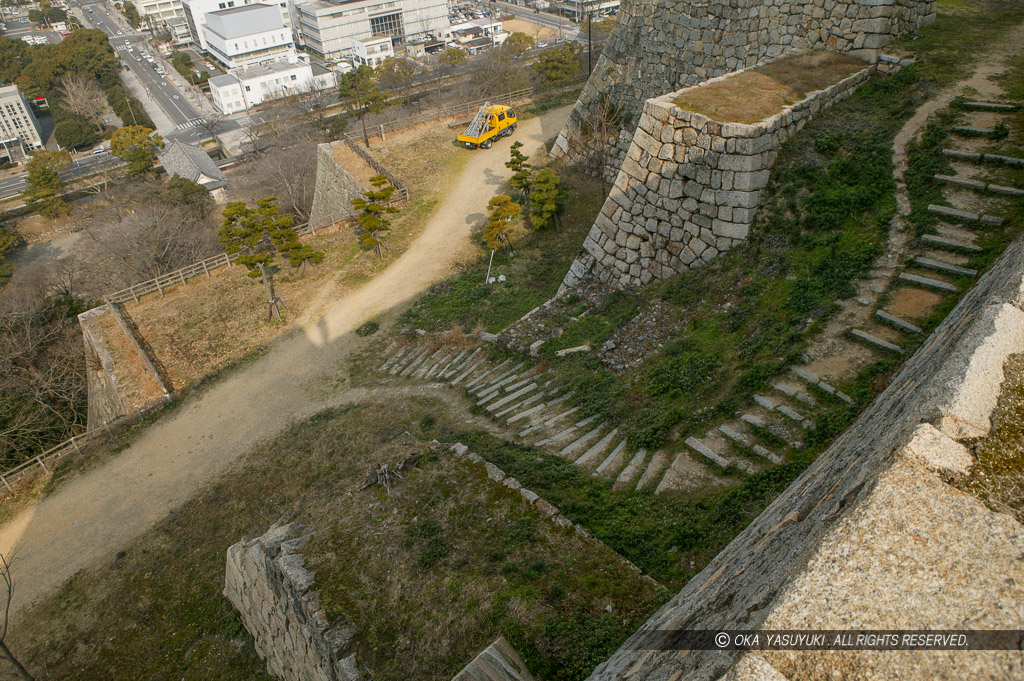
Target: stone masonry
x,y
689,188
335,188
684,44
267,582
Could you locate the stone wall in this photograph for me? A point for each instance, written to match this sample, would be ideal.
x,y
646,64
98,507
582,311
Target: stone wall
x,y
105,397
267,582
335,187
684,44
869,536
689,188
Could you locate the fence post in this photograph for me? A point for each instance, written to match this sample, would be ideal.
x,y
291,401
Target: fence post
x,y
228,258
205,270
39,460
131,290
7,484
107,428
75,445
156,281
181,275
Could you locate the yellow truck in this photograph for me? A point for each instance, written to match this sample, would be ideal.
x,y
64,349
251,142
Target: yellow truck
x,y
491,122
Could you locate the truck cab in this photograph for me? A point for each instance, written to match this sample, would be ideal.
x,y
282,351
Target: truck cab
x,y
491,123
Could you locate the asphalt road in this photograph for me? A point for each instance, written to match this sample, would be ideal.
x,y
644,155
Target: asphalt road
x,y
82,167
160,89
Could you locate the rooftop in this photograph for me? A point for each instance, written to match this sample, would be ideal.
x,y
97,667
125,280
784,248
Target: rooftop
x,y
191,162
246,20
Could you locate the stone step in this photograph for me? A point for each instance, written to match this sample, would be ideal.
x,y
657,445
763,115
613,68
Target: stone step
x,y
494,389
655,469
612,461
395,356
571,450
632,469
482,377
561,435
954,213
793,415
520,384
790,391
415,362
593,455
511,397
951,244
452,363
767,453
431,365
963,155
519,405
964,182
705,451
972,130
944,267
928,282
827,387
875,341
409,357
1005,191
539,408
898,322
990,106
1005,160
734,435
753,420
468,371
485,387
765,402
549,422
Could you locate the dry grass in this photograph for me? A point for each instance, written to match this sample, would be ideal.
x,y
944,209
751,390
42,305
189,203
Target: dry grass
x,y
354,164
754,95
538,33
212,323
136,382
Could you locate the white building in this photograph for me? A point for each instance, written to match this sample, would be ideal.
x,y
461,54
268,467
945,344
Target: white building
x,y
372,51
248,35
330,29
242,89
19,129
178,28
196,11
158,11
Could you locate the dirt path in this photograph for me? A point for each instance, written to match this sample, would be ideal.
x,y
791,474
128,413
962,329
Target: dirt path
x,y
91,516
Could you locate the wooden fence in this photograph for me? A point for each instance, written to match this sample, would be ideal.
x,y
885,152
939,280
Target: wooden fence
x,y
402,194
203,267
45,463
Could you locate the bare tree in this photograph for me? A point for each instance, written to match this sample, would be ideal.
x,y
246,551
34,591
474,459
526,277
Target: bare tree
x,y
82,95
5,651
289,172
314,103
590,139
210,122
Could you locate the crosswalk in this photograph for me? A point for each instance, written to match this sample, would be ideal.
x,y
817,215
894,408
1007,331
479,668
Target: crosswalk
x,y
190,124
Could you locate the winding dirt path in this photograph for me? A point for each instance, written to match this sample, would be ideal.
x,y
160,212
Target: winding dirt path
x,y
91,516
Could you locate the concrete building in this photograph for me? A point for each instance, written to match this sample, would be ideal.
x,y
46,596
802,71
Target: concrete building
x,y
330,29
159,11
372,51
178,28
19,130
248,35
242,89
577,10
196,11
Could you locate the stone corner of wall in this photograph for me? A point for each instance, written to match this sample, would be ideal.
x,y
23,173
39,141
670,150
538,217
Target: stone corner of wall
x,y
497,662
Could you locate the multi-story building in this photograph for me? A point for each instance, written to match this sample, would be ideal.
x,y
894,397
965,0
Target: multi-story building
x,y
248,35
196,11
242,89
329,29
177,27
372,51
158,11
577,10
19,129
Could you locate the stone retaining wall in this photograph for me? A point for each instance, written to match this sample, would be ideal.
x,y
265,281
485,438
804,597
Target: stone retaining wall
x,y
267,582
689,187
335,187
105,398
686,43
869,536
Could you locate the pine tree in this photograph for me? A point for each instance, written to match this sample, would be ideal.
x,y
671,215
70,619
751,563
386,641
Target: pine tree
x,y
503,211
521,178
373,226
259,234
548,199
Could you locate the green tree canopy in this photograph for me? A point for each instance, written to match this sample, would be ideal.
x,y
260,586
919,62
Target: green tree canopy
x,y
44,184
548,199
131,13
359,91
557,65
521,178
517,44
137,145
373,227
